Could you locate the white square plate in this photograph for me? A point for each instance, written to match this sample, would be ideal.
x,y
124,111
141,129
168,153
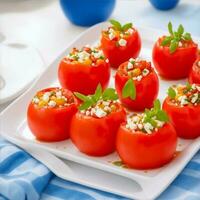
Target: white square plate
x,y
152,182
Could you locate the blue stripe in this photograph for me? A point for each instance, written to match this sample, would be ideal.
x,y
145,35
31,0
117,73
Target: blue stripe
x,y
188,183
68,194
40,183
16,159
193,165
3,198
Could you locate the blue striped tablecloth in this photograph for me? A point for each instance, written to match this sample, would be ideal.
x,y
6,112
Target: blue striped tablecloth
x,y
24,178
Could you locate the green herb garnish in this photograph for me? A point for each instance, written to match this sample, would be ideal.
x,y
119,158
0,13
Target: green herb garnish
x,y
175,37
119,26
129,90
171,93
155,113
90,100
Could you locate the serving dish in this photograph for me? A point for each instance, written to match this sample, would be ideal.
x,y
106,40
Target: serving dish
x,y
152,182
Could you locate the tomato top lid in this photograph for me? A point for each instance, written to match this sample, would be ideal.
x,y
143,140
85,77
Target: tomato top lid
x,y
100,104
53,98
86,55
176,39
118,32
149,121
184,95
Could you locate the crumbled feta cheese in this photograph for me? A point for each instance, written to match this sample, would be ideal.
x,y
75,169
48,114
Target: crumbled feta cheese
x,y
87,112
145,72
83,55
122,42
159,123
198,88
194,98
139,78
135,118
198,63
148,127
130,65
98,54
131,60
100,113
130,31
180,44
132,126
140,126
107,61
58,94
46,96
105,103
36,100
183,100
111,36
52,103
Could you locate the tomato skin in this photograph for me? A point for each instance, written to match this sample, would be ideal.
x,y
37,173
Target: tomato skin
x,y
176,65
186,119
51,124
118,55
96,136
194,76
83,78
146,151
146,90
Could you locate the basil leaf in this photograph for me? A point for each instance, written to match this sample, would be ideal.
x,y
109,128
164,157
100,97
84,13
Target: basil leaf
x,y
127,26
170,28
157,104
162,116
173,46
109,94
98,93
129,90
166,41
85,105
116,24
188,86
180,30
82,97
171,93
187,36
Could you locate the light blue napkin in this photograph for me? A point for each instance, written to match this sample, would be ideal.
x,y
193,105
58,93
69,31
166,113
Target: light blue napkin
x,y
24,178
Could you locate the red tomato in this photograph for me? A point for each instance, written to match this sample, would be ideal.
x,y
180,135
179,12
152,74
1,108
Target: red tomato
x,y
51,123
194,76
175,65
146,88
119,54
145,151
96,136
186,119
82,78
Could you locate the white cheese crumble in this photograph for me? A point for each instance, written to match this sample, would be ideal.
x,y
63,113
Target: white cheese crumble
x,y
122,42
145,72
148,127
130,65
52,103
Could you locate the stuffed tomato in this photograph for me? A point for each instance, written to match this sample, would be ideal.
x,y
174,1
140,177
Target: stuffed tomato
x,y
183,108
119,43
50,112
82,70
136,84
174,55
94,127
194,76
147,140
